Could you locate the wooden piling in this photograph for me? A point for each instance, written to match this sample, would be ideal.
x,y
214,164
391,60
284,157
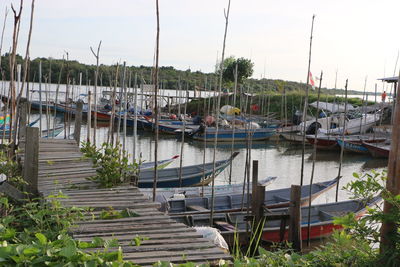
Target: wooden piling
x,y
22,120
31,160
295,218
258,196
89,117
78,122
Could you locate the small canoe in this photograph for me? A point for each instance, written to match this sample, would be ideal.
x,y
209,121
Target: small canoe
x,y
191,175
273,199
161,164
378,150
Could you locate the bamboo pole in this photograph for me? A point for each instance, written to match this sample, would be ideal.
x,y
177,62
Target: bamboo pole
x,y
313,166
156,102
66,97
40,98
26,63
56,99
363,104
96,77
2,34
17,23
135,120
204,140
125,115
183,136
306,104
342,147
226,15
390,228
89,117
233,124
112,117
121,102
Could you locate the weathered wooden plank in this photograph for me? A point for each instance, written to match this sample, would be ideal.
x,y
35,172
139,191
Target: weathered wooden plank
x,y
138,227
168,229
62,168
11,191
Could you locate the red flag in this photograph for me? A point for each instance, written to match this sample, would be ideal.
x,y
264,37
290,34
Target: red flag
x,y
311,79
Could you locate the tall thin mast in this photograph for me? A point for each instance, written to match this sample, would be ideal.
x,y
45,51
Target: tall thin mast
x,y
226,14
306,103
156,103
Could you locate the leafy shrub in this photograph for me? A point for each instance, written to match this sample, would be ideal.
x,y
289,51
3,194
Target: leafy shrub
x,y
111,162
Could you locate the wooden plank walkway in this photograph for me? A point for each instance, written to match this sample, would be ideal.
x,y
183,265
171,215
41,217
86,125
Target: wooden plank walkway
x,y
62,167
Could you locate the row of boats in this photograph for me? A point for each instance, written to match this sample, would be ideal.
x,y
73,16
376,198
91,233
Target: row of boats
x,y
192,206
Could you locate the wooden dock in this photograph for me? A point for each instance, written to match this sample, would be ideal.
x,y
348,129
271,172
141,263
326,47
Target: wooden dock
x,y
61,167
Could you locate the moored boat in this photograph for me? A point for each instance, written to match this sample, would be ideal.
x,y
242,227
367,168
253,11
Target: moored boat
x,y
195,175
378,150
321,221
228,135
273,199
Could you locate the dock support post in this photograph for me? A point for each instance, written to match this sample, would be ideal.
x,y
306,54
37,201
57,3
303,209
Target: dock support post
x,y
295,217
258,195
22,120
78,122
257,207
31,160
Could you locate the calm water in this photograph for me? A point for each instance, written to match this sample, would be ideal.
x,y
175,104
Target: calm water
x,y
276,158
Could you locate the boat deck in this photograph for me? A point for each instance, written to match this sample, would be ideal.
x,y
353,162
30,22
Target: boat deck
x,y
63,168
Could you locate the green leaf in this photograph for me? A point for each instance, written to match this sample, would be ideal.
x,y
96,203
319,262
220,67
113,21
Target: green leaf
x,y
42,238
31,250
69,250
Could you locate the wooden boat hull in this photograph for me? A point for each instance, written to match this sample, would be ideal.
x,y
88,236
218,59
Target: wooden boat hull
x,y
323,143
376,151
316,232
161,164
352,147
191,175
293,137
277,198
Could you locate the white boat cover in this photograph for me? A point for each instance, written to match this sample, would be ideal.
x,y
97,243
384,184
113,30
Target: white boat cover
x,y
332,107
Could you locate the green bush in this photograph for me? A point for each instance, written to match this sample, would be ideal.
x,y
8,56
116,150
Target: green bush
x,y
111,163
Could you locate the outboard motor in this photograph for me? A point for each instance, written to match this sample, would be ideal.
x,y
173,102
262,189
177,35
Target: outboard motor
x,y
297,117
313,127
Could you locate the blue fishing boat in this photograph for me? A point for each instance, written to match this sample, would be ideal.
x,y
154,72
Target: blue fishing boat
x,y
195,175
227,135
352,146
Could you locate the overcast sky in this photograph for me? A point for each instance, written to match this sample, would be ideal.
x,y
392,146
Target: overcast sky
x,y
358,38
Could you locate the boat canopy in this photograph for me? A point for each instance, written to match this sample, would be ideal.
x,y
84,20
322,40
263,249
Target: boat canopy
x,y
230,110
332,107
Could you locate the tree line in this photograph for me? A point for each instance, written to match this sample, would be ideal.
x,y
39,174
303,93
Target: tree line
x,y
169,77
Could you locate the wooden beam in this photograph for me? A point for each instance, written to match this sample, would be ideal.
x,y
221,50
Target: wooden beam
x,y
11,191
22,120
389,229
295,218
31,160
78,122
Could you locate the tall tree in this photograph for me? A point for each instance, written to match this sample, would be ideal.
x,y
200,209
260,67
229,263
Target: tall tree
x,y
244,69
